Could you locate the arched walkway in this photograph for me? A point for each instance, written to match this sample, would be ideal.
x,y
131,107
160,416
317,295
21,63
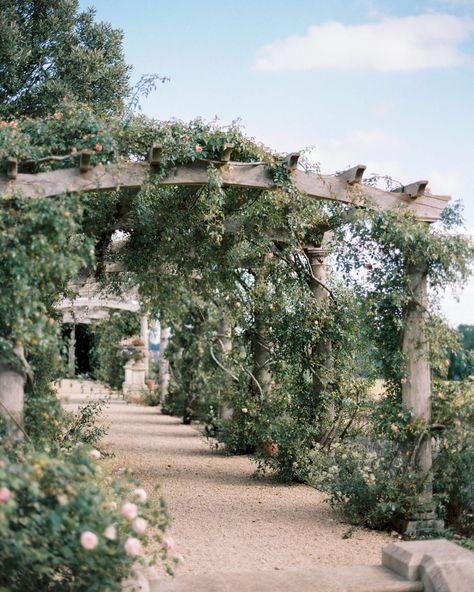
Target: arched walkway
x,y
225,520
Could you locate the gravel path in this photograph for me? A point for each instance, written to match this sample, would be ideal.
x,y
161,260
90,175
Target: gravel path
x,y
224,519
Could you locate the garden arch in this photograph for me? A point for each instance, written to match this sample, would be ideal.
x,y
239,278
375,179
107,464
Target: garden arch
x,y
344,187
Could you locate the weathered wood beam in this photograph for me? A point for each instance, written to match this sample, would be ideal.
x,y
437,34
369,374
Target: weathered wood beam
x,y
155,154
291,160
414,190
234,174
12,168
353,175
85,161
226,152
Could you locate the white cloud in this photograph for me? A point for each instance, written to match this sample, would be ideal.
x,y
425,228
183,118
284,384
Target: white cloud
x,y
359,147
405,44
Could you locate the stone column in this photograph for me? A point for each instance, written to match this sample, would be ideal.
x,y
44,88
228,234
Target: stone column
x,y
72,352
224,336
12,384
164,377
317,261
144,337
260,346
416,389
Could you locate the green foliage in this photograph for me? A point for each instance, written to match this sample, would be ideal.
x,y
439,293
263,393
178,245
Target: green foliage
x,y
107,359
43,416
71,128
51,503
81,427
462,357
50,50
41,248
453,408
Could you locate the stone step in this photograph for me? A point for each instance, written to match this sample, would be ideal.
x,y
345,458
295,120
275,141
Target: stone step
x,y
359,578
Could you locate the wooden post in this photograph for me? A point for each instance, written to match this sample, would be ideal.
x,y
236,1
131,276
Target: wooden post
x,y
164,375
72,352
317,261
416,389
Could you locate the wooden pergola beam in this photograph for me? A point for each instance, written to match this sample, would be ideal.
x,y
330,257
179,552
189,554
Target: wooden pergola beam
x,y
234,174
414,190
353,175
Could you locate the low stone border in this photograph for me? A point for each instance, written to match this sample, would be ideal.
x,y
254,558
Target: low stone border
x,y
442,566
431,566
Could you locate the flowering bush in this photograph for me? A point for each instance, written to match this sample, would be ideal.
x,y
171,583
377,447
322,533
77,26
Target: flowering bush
x,y
65,526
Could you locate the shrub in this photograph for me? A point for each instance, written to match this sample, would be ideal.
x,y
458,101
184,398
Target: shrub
x,y
62,526
453,409
80,427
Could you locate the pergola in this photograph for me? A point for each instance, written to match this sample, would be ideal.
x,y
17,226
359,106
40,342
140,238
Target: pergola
x,y
344,187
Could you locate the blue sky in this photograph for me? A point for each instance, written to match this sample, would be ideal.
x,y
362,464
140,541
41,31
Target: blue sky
x,y
386,84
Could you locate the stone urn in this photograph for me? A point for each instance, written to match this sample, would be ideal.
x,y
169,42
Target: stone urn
x,y
150,383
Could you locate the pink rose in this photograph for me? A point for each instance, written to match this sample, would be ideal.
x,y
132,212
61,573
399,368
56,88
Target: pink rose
x,y
140,495
139,525
394,427
168,543
5,494
404,380
129,511
110,533
95,454
199,149
133,546
89,540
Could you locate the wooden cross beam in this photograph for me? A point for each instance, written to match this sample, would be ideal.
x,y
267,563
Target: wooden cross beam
x,y
155,154
226,152
85,161
12,168
353,175
291,160
235,174
414,190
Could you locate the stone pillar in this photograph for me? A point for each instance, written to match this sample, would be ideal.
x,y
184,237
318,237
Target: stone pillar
x,y
317,261
416,389
164,376
12,384
72,353
224,336
260,346
144,337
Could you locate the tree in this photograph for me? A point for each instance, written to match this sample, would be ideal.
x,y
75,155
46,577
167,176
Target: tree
x,y
49,50
462,362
